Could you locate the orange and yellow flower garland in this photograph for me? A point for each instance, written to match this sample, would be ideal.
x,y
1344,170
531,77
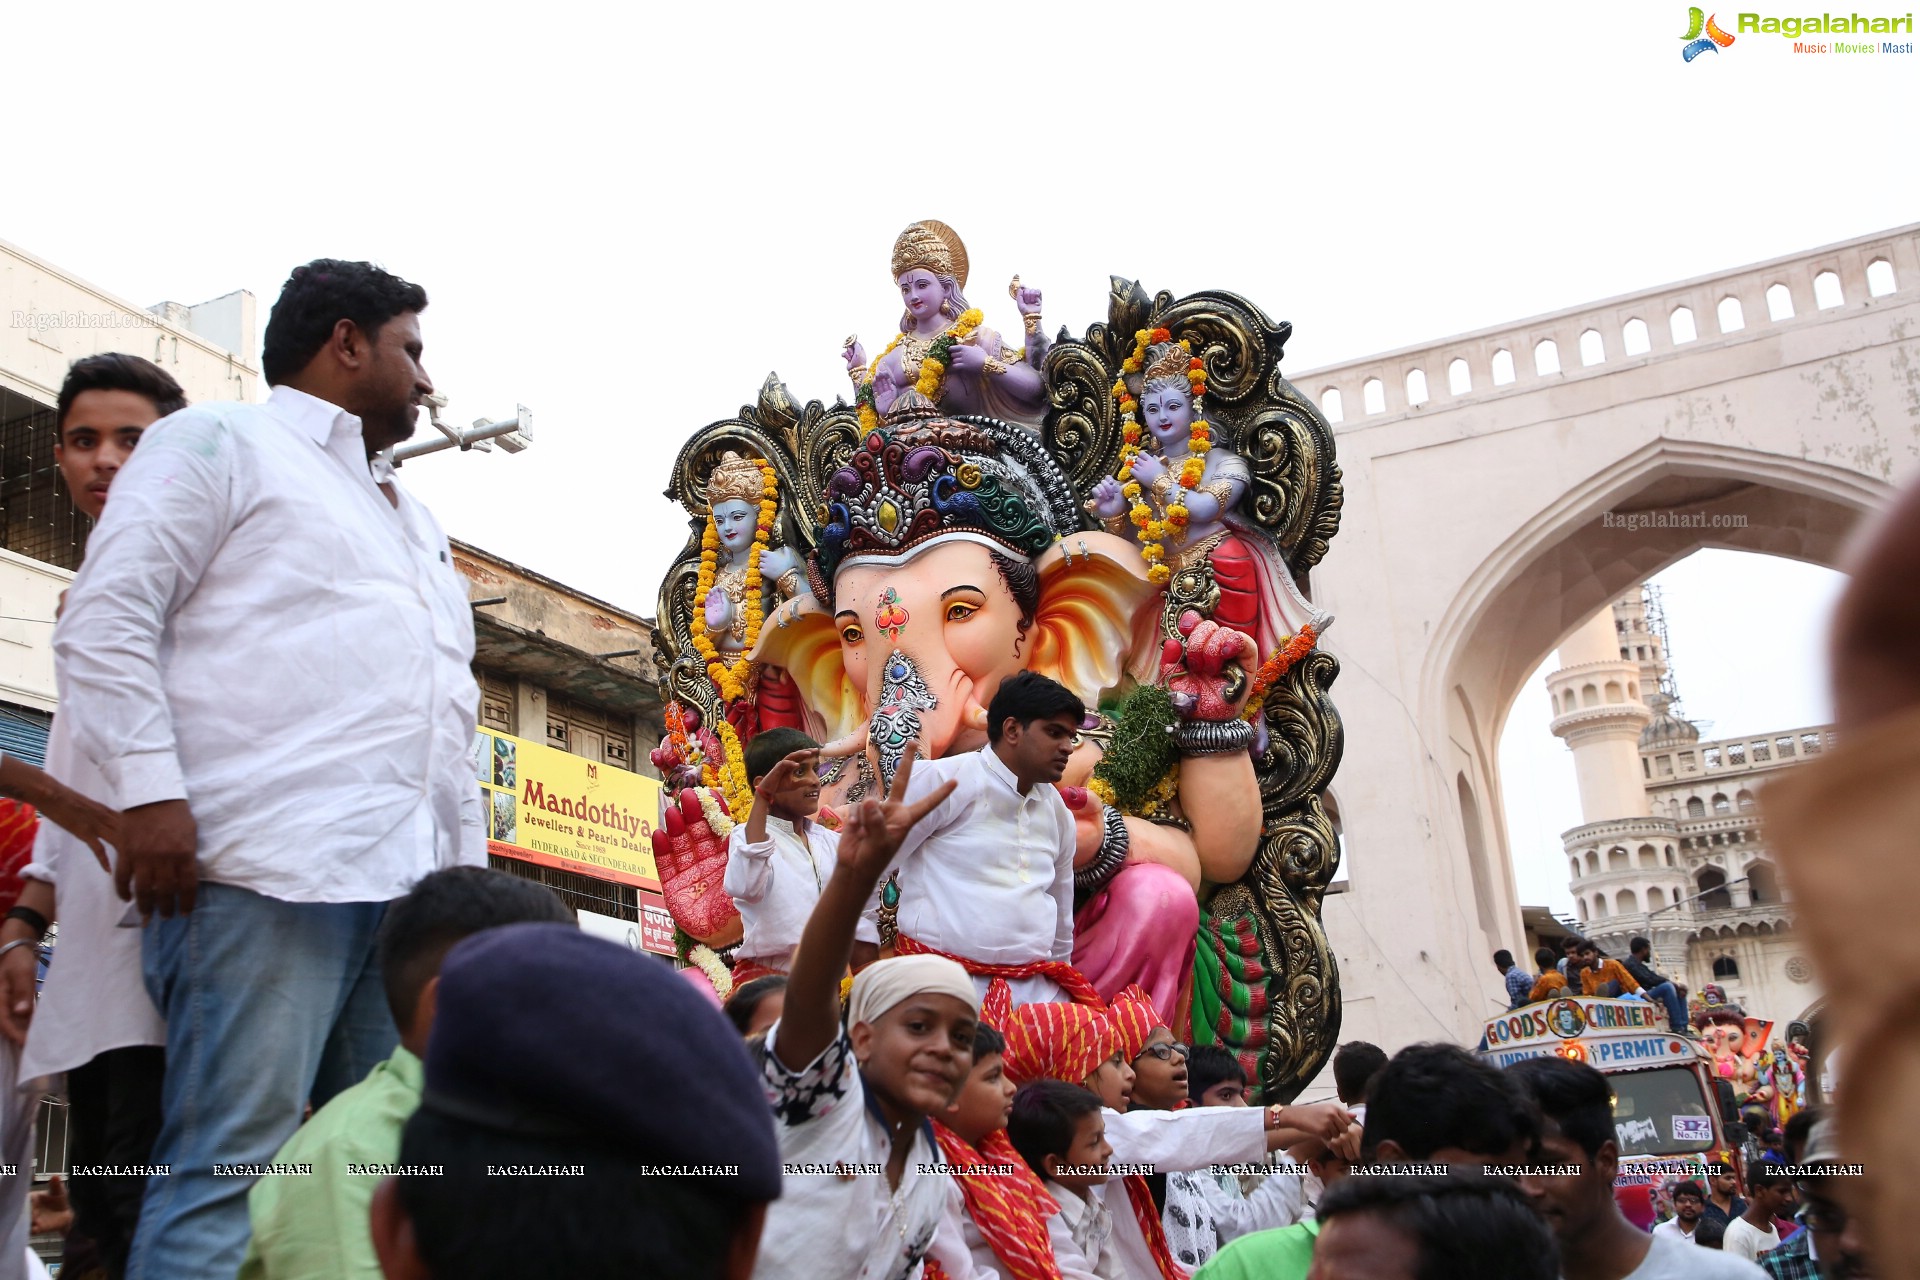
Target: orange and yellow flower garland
x,y
730,675
933,366
1192,470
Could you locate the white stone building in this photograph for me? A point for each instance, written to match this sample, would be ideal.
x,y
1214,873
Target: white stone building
x,y
1671,848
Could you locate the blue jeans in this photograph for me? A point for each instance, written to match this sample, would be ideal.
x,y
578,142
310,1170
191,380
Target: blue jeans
x,y
1668,995
268,1004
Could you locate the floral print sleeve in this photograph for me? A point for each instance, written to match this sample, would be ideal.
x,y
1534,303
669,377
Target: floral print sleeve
x,y
816,1090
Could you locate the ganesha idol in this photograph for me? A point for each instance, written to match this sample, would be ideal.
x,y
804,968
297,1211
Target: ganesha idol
x,y
946,544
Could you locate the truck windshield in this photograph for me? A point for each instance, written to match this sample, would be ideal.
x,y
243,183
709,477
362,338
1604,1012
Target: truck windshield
x,y
1661,1112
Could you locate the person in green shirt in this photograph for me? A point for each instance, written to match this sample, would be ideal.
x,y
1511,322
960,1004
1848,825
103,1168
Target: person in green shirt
x,y
309,1211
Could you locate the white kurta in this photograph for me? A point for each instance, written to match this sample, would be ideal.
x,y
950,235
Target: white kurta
x,y
775,884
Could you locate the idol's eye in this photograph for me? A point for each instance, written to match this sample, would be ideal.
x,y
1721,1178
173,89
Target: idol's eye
x,y
960,611
851,634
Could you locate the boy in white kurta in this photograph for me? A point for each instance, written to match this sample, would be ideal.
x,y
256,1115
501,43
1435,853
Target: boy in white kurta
x,y
780,858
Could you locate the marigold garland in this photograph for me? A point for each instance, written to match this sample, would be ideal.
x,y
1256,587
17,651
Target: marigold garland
x,y
932,378
730,675
1176,516
1277,665
733,774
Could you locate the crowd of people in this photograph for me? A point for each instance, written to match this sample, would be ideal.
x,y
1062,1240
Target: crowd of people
x,y
306,1033
1581,966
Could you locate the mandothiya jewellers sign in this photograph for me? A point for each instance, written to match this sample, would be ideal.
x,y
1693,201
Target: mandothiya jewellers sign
x,y
560,810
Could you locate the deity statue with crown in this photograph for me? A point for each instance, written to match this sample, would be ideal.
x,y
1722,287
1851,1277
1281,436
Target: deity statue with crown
x,y
944,351
1133,514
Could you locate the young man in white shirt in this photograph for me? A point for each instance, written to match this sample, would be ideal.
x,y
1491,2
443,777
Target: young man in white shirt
x,y
1596,1240
987,879
1689,1202
779,859
1769,1196
862,1198
268,656
93,1019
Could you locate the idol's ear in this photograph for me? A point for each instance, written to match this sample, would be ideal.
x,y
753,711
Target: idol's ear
x,y
800,637
1098,619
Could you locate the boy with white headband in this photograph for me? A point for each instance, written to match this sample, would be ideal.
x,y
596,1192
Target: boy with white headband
x,y
861,1199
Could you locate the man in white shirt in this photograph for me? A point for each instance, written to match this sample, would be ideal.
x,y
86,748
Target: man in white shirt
x,y
267,655
1769,1196
1596,1240
987,879
1689,1202
93,1019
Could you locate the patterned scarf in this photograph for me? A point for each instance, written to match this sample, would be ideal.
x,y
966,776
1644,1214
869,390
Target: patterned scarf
x,y
1134,1019
1011,1210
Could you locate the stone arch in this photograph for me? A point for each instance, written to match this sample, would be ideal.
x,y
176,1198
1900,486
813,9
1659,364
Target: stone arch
x,y
1711,885
1478,861
1721,804
1763,883
1573,868
1416,386
1627,902
1593,862
1880,281
1330,404
1580,909
1459,377
1373,396
1726,968
1644,856
1731,316
1696,807
1502,367
1593,349
1743,801
1617,859
1779,302
1827,292
1599,906
1634,339
1546,357
1681,327
1589,696
1615,693
1656,899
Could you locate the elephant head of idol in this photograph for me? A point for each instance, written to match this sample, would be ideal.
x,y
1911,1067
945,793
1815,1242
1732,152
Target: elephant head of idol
x,y
950,557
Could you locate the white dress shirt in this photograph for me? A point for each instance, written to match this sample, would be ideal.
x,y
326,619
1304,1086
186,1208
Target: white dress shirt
x,y
257,629
94,998
988,875
1172,1141
776,883
1083,1232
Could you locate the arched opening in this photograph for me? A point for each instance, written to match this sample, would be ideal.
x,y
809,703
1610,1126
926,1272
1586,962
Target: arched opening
x,y
1417,387
1696,807
1589,696
1721,804
1669,849
1633,691
1502,367
1593,348
1725,968
1827,293
1617,859
1779,302
1656,899
1731,316
1711,886
1743,801
1634,339
1680,325
1373,396
1546,357
1626,903
1459,378
1330,404
1880,280
1763,883
1645,856
1580,909
1614,692
1593,862
1573,868
1478,863
1599,906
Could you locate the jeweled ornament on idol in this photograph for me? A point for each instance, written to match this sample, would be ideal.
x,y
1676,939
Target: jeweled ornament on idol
x,y
1132,513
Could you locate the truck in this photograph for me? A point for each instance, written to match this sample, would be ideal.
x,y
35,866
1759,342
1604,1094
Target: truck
x,y
1672,1115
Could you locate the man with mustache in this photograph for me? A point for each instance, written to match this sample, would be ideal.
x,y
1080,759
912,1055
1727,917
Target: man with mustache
x,y
268,655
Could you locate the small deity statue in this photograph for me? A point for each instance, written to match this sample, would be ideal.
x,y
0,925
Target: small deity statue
x,y
738,573
944,350
1175,494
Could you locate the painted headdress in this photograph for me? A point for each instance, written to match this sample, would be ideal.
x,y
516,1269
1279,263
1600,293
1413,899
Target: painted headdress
x,y
930,246
923,477
1166,362
735,479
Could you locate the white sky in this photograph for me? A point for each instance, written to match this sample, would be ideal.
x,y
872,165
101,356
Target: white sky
x,y
627,215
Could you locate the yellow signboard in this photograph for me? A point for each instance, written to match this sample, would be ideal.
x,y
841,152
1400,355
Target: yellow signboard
x,y
564,811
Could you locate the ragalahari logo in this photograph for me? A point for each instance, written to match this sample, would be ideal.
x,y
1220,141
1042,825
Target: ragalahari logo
x,y
1712,41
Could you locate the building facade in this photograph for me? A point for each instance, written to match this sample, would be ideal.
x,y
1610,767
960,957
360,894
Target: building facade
x,y
1672,848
